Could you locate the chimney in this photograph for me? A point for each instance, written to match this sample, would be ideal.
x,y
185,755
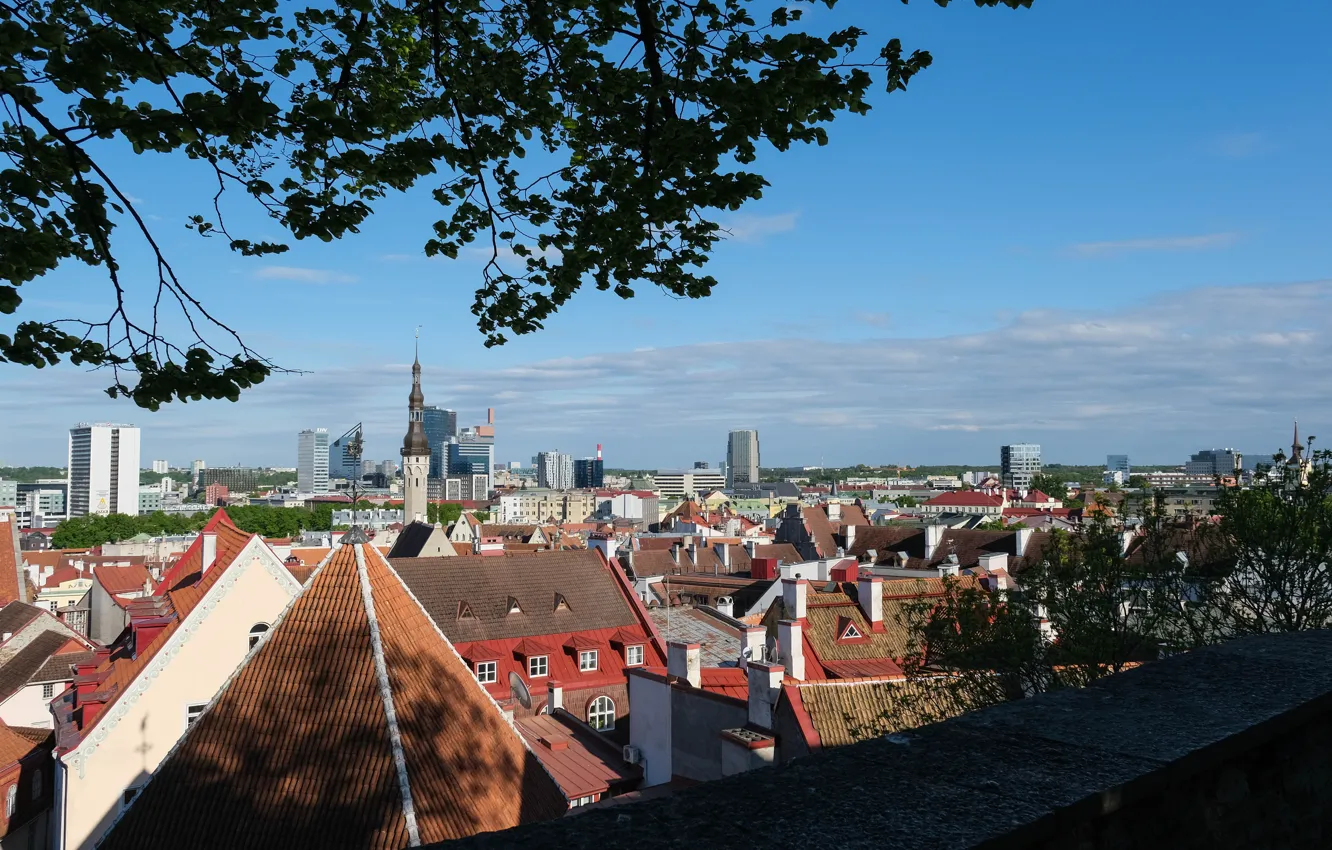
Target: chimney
x,y
726,605
751,546
1022,539
992,561
948,569
849,532
933,534
598,451
209,548
683,662
791,648
1126,540
490,416
490,546
675,553
795,594
693,554
869,592
834,511
765,686
554,696
752,641
723,551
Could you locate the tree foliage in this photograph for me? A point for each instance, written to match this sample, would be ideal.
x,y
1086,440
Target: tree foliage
x,y
575,141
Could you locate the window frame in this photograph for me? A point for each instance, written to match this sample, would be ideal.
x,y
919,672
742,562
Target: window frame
x,y
535,661
601,710
630,651
48,690
584,656
11,801
129,795
492,668
257,632
193,711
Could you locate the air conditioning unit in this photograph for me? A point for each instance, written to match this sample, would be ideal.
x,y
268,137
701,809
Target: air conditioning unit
x,y
632,754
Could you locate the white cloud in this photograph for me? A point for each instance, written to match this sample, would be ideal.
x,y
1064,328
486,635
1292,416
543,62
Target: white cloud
x,y
1210,366
875,320
1202,242
297,274
756,228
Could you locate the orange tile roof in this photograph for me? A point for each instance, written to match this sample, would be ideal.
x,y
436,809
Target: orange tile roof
x,y
16,745
580,764
297,750
10,589
123,579
844,712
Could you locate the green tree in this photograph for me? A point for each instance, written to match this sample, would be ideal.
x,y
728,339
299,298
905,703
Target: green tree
x,y
1050,485
580,142
1138,482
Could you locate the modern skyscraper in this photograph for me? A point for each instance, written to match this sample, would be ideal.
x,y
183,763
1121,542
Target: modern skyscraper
x,y
1118,463
742,458
103,470
1214,462
415,453
441,427
340,462
1019,462
554,470
312,460
589,474
473,455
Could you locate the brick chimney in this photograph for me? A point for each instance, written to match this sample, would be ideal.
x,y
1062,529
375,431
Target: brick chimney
x,y
791,648
795,596
765,687
869,593
933,536
752,641
683,660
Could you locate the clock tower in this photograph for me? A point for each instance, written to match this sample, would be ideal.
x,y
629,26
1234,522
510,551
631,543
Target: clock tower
x,y
415,452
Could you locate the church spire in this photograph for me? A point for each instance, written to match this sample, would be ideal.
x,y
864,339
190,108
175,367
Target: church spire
x,y
415,443
1295,448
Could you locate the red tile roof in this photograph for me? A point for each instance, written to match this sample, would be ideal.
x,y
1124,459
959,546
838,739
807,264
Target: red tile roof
x,y
298,751
967,499
581,762
10,559
16,745
123,579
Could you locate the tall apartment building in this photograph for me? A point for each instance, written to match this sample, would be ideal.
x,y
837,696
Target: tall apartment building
x,y
474,454
589,473
742,458
160,467
1118,463
312,460
441,428
102,476
1019,463
340,462
1213,462
555,470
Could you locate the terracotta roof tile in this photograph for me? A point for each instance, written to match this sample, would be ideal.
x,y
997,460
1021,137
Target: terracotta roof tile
x,y
582,763
845,712
123,579
816,521
297,750
10,558
19,670
16,745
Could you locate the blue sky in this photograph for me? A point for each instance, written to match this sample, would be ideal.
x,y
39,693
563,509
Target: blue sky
x,y
1101,226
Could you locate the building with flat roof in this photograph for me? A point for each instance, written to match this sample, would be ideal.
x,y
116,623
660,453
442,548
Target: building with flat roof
x,y
312,460
1019,463
103,469
742,458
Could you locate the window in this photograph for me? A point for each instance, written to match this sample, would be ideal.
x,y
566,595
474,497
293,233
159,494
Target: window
x,y
52,605
257,632
192,713
633,656
587,660
48,690
601,714
486,672
11,800
129,795
537,665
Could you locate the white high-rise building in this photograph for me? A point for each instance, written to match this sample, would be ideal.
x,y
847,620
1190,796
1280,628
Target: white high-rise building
x,y
160,467
103,469
312,460
1019,463
555,470
742,458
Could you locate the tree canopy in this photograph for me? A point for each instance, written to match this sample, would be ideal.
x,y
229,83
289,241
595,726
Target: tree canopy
x,y
579,141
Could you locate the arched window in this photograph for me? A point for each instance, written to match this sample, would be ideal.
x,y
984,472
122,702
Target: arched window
x,y
11,800
601,713
256,632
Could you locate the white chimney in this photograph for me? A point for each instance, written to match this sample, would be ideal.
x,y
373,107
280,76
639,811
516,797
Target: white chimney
x,y
555,696
835,511
752,641
693,554
933,536
726,605
992,561
947,569
791,648
209,548
675,553
765,687
850,533
1023,538
869,591
751,546
795,595
723,551
684,662
1126,540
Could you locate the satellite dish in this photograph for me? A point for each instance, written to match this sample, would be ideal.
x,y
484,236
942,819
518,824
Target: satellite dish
x,y
519,690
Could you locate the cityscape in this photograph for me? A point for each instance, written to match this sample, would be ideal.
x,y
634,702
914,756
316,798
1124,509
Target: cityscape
x,y
658,424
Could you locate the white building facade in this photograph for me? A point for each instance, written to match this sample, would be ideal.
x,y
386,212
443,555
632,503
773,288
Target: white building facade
x,y
103,470
312,460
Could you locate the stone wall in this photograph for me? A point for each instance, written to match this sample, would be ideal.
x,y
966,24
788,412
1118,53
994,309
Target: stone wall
x,y
1227,747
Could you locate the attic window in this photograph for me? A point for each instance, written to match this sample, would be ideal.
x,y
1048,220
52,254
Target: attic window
x,y
851,632
561,604
514,607
465,611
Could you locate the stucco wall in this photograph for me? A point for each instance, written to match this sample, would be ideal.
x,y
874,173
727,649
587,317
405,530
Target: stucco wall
x,y
130,741
650,727
28,708
696,719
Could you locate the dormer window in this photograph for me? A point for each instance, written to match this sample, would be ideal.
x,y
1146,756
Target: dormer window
x,y
587,660
537,665
561,604
849,632
633,655
513,607
487,672
465,611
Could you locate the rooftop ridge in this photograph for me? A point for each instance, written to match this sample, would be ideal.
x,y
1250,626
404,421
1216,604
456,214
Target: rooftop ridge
x,y
386,694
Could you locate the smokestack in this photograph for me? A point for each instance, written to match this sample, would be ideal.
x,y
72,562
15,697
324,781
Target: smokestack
x,y
490,416
598,451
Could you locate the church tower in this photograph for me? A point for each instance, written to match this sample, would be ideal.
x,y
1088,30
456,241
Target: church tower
x,y
415,452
